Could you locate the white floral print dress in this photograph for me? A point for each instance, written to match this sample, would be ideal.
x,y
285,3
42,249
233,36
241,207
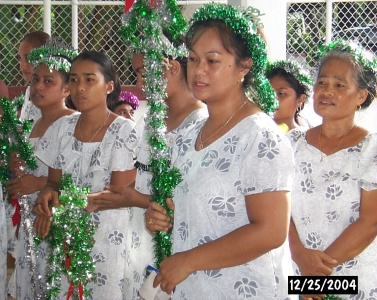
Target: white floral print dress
x,y
139,240
91,165
253,157
326,200
29,111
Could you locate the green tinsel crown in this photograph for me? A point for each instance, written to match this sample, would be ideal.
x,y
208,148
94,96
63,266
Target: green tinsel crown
x,y
55,54
301,74
245,23
366,58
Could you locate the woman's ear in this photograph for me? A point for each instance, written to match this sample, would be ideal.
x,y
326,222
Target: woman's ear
x,y
363,94
66,91
246,65
301,100
174,67
110,87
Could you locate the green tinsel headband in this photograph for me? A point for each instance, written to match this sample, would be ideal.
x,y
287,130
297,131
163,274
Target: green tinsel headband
x,y
245,23
366,58
296,70
54,54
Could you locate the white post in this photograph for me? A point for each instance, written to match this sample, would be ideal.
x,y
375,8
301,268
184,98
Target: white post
x,y
47,16
75,25
329,11
274,20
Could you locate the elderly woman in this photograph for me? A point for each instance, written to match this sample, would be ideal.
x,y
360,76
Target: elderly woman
x,y
334,221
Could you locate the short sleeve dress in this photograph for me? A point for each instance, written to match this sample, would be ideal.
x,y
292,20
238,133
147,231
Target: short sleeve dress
x,y
139,240
326,200
91,165
253,157
29,111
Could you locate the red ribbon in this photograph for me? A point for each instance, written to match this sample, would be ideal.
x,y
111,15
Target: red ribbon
x,y
128,4
71,286
16,218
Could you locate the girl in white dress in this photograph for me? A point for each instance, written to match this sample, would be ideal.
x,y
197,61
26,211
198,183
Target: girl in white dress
x,y
231,212
334,220
48,92
91,147
292,84
182,114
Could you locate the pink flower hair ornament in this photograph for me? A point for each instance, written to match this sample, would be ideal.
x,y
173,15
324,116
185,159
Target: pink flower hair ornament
x,y
129,98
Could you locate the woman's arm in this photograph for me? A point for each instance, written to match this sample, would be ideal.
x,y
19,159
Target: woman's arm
x,y
310,262
47,197
120,193
357,236
269,220
49,194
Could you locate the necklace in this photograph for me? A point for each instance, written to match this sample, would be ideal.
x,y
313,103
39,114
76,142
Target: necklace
x,y
201,142
337,147
108,115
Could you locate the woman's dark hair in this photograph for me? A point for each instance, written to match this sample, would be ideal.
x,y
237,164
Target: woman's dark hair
x,y
232,43
65,79
182,60
107,69
36,38
293,83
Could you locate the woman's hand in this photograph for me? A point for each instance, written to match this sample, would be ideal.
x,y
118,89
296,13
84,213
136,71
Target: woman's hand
x,y
315,263
24,185
156,218
15,164
106,200
173,270
47,197
42,225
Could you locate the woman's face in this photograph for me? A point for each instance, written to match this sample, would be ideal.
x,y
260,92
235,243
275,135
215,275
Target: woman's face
x,y
137,63
212,72
25,67
47,88
287,96
125,110
88,85
336,94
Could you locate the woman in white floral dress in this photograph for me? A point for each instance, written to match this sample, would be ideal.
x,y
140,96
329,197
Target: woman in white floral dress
x,y
48,92
334,220
231,210
91,147
183,113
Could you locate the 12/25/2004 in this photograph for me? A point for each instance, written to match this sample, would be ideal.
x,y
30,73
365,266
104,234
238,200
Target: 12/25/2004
x,y
322,285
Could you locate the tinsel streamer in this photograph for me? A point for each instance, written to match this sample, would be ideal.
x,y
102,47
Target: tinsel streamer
x,y
71,241
332,297
143,28
26,226
13,137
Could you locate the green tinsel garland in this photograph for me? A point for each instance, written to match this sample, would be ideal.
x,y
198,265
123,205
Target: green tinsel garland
x,y
13,138
363,56
332,297
143,29
296,70
245,23
71,236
